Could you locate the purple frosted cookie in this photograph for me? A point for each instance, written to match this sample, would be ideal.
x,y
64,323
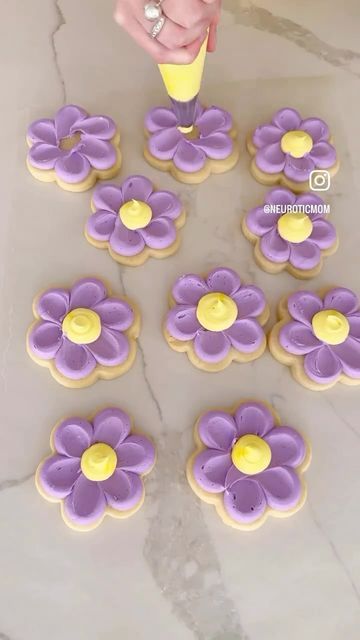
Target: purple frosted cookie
x,y
191,154
96,468
294,152
134,221
318,336
247,465
216,319
74,149
83,333
291,232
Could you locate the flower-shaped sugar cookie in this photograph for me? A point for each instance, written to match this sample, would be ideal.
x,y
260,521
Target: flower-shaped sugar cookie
x,y
247,465
191,155
134,222
74,149
83,333
318,336
290,232
216,319
96,468
288,149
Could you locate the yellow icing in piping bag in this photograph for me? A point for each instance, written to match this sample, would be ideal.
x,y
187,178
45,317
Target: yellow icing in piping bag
x,y
182,83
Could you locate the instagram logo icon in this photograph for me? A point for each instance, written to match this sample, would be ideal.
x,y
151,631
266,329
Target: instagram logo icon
x,y
319,180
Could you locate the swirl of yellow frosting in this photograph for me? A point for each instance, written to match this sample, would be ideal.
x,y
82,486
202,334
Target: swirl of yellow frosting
x,y
216,311
251,454
294,227
330,326
135,214
98,462
82,326
297,143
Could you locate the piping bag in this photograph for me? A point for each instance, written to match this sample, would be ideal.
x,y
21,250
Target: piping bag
x,y
182,83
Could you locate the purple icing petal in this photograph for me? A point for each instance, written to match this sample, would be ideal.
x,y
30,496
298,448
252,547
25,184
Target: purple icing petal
x,y
287,119
160,118
101,225
217,430
100,126
213,120
304,255
349,354
211,346
136,454
250,301
354,322
297,338
111,426
58,474
245,501
182,323
188,157
253,417
280,195
108,197
323,154
100,153
66,117
53,305
323,234
271,159
115,313
72,167
189,288
159,234
126,242
298,169
259,222
316,128
246,335
341,299
287,447
163,144
74,360
266,134
42,131
282,487
73,436
87,292
322,365
303,305
164,204
274,247
210,469
217,146
86,503
310,199
44,156
45,340
232,476
137,188
123,490
223,280
111,348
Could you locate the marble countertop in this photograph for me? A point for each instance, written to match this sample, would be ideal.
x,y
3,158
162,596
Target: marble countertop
x,y
173,570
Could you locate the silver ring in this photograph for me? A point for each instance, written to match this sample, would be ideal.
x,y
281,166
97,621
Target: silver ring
x,y
153,10
155,31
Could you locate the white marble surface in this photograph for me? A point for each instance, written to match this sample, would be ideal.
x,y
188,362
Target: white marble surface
x,y
174,570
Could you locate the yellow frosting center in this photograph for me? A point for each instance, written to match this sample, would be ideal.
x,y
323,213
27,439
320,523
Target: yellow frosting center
x,y
294,227
216,311
82,326
251,454
135,214
297,143
98,462
330,326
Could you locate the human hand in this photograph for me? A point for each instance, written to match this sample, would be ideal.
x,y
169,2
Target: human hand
x,y
184,31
